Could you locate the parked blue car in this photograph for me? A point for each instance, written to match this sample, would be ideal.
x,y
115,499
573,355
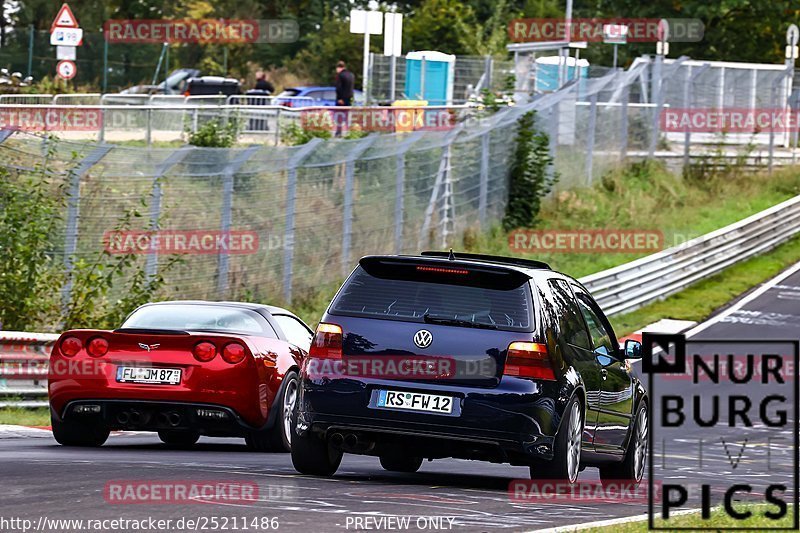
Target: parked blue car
x,y
313,96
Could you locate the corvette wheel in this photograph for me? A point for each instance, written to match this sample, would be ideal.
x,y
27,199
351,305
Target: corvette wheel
x,y
566,462
278,438
72,433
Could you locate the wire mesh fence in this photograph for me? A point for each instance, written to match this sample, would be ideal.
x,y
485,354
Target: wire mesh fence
x,y
269,221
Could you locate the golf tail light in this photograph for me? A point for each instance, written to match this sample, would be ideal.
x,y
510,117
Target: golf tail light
x,y
233,353
327,343
71,346
97,347
529,360
204,351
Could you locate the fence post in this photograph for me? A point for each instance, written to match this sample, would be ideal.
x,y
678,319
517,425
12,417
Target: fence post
x,y
688,102
226,218
656,82
148,133
151,264
623,148
289,224
483,193
774,105
73,212
444,164
590,138
349,184
31,33
400,188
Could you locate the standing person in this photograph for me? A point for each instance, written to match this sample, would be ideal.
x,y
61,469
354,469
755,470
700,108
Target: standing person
x,y
344,85
262,83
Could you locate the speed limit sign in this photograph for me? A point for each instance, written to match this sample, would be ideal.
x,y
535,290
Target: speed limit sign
x,y
66,69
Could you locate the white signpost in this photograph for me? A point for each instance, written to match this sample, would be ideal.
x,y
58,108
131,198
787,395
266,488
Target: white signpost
x,y
366,22
66,36
615,34
393,46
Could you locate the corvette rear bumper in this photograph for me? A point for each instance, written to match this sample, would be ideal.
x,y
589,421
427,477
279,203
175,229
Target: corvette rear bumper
x,y
141,415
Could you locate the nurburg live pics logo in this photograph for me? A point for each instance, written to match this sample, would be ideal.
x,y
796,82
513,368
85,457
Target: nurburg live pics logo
x,y
731,431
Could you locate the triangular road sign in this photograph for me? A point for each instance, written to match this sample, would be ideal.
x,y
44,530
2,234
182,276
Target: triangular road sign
x,y
64,19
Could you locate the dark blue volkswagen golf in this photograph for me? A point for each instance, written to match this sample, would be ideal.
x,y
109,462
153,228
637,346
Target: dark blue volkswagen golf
x,y
469,356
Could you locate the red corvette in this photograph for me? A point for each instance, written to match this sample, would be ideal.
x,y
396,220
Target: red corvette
x,y
182,369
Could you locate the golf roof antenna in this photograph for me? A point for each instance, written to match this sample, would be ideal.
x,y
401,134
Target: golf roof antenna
x,y
452,256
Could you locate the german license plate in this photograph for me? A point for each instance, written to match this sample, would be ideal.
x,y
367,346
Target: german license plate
x,y
154,376
415,401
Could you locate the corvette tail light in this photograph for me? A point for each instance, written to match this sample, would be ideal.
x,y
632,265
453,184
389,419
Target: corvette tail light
x,y
97,347
204,351
233,353
327,343
71,346
529,360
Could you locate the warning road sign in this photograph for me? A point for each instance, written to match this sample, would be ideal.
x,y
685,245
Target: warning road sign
x,y
64,19
66,69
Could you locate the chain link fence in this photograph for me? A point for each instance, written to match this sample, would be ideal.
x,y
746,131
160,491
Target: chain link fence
x,y
273,222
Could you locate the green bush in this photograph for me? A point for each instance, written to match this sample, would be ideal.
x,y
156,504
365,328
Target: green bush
x,y
33,274
215,133
532,174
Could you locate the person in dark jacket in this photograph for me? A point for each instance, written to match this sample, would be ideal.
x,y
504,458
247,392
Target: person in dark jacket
x,y
344,85
262,84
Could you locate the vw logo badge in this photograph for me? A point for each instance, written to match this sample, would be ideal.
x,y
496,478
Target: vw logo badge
x,y
423,338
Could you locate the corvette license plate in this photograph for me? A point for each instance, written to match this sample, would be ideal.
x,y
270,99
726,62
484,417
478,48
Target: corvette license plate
x,y
155,376
415,401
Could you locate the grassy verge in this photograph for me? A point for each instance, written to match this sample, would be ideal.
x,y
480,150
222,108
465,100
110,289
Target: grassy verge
x,y
25,417
718,519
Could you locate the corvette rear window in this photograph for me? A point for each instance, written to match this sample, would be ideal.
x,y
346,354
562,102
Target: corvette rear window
x,y
199,318
365,295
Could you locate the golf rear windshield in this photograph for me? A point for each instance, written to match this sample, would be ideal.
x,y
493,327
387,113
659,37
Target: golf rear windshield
x,y
413,292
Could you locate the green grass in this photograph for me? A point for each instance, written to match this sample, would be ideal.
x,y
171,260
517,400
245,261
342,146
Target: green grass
x,y
25,417
694,520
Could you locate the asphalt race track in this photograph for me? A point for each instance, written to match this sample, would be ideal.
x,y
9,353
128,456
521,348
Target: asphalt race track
x,y
40,478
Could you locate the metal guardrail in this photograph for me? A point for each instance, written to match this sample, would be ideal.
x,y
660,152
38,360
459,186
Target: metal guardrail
x,y
635,284
24,356
24,361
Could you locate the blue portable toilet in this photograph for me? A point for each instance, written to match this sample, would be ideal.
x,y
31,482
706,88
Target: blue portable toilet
x,y
435,83
547,71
